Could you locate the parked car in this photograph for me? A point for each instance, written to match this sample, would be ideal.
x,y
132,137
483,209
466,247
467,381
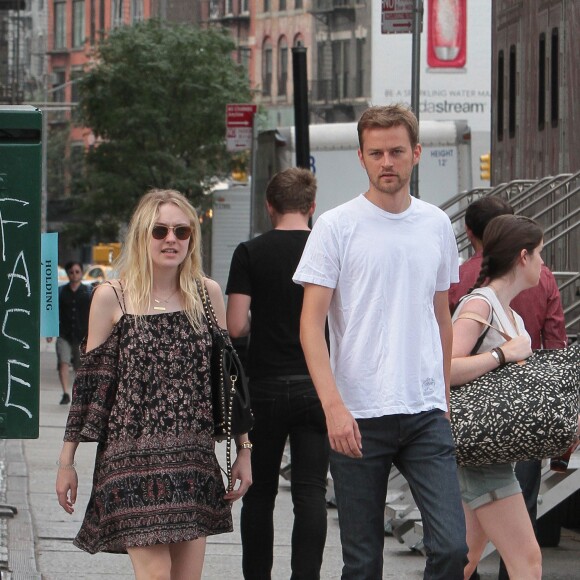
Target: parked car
x,y
96,274
62,277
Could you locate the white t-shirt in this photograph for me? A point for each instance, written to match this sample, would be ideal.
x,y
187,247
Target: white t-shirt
x,y
385,346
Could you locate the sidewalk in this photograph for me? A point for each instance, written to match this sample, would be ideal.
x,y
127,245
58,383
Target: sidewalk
x,y
37,542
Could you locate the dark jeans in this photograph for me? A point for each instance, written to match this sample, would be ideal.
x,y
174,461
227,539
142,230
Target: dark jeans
x,y
529,474
422,449
282,409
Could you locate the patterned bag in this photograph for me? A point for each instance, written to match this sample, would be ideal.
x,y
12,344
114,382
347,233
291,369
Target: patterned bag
x,y
520,411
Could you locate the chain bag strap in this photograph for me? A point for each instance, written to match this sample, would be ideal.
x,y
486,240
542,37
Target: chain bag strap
x,y
230,395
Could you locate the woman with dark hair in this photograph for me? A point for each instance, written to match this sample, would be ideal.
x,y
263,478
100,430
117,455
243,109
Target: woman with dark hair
x,y
492,499
144,393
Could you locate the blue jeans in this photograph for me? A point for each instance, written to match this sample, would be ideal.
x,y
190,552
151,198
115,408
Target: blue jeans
x,y
282,409
422,449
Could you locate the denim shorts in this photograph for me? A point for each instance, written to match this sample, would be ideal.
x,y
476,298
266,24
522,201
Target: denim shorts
x,y
487,483
68,353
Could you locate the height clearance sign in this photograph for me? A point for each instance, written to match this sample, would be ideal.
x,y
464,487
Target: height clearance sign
x,y
239,126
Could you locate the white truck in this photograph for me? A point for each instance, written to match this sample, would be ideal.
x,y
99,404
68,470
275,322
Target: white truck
x,y
230,226
444,169
239,211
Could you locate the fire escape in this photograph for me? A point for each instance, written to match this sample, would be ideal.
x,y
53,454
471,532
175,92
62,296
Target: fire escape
x,y
338,83
11,81
234,16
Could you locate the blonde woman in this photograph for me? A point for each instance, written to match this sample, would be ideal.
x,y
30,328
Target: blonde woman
x,y
144,393
492,499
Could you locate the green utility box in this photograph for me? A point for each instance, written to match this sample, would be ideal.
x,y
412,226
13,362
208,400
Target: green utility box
x,y
20,210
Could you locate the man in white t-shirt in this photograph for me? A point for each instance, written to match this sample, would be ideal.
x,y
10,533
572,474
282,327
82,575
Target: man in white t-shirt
x,y
380,266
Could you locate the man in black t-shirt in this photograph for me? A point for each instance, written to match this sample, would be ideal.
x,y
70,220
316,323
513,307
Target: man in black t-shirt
x,y
74,303
264,303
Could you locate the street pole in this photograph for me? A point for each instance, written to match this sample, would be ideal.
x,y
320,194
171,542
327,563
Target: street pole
x,y
416,79
45,108
301,116
253,170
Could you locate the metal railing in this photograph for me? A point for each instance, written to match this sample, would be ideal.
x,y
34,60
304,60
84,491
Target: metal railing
x,y
329,5
554,202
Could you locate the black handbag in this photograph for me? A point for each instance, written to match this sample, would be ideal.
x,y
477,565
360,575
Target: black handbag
x,y
520,411
232,413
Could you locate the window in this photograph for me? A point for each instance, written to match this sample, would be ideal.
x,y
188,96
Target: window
x,y
512,93
58,88
59,25
340,67
298,5
92,23
77,156
40,49
282,67
214,9
75,75
360,63
500,94
78,35
322,86
282,5
229,7
136,10
244,6
267,5
554,75
102,18
542,83
245,54
116,13
267,69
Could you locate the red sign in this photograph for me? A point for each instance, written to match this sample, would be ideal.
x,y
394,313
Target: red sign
x,y
447,34
239,125
397,16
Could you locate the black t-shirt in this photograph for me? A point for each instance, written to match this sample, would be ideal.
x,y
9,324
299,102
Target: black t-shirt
x,y
73,308
262,268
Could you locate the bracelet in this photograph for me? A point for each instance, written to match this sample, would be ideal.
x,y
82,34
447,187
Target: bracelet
x,y
245,445
69,466
501,355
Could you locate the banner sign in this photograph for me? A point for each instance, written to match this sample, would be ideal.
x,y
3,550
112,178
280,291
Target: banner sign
x,y
49,285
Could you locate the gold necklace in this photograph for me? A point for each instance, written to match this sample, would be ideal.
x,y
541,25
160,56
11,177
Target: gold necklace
x,y
160,301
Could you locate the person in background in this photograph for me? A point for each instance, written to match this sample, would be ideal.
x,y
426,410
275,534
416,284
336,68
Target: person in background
x,y
74,303
494,507
144,393
380,266
539,306
264,303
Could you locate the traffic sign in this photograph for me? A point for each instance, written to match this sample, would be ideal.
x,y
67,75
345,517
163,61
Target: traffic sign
x,y
239,126
397,16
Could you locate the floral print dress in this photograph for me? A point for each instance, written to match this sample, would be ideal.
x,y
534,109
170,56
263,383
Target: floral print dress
x,y
145,395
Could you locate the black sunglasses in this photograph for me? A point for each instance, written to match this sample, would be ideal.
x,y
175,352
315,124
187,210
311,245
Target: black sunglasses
x,y
180,232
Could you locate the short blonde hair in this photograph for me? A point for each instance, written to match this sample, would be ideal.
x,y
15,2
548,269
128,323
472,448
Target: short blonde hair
x,y
135,265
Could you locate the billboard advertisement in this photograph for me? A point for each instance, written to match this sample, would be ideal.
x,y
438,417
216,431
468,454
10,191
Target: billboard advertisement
x,y
455,81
